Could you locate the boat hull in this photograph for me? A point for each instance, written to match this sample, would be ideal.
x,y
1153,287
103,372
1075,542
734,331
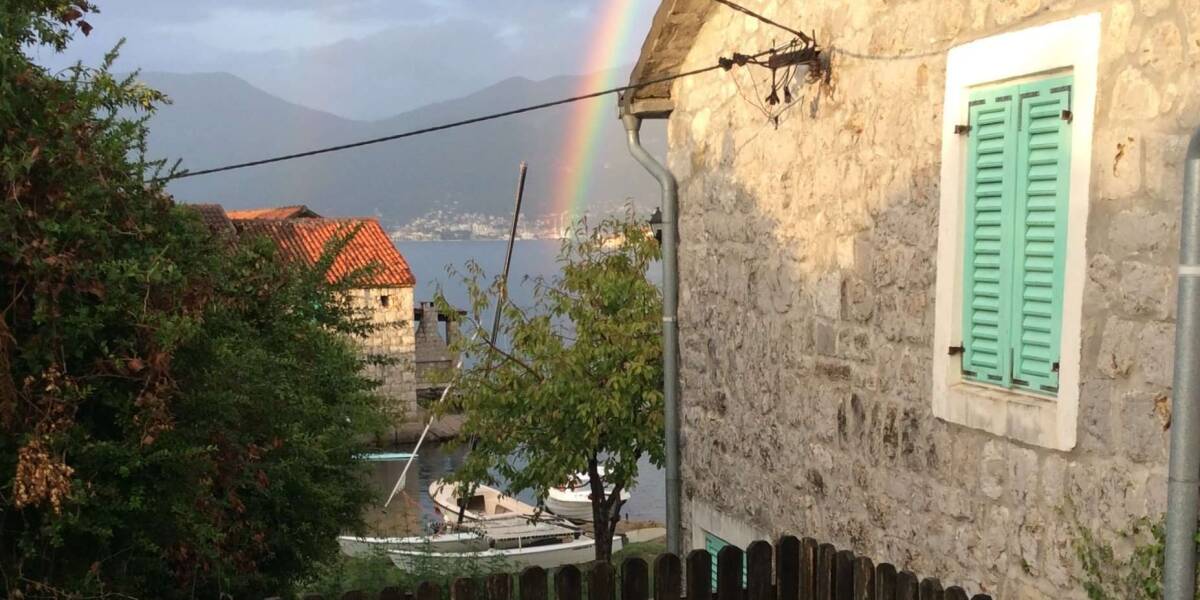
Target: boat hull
x,y
546,556
450,542
486,505
572,504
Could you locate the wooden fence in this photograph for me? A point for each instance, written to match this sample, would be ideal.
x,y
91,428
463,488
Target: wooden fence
x,y
794,569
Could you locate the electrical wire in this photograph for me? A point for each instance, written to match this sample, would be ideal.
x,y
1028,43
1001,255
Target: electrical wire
x,y
834,49
721,64
861,56
742,9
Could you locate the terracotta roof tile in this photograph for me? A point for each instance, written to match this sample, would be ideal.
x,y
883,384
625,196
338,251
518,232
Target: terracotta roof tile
x,y
298,211
214,217
305,240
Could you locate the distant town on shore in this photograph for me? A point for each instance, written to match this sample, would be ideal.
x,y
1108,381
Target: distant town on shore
x,y
443,225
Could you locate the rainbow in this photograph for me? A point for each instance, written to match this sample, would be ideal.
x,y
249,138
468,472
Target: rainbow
x,y
610,40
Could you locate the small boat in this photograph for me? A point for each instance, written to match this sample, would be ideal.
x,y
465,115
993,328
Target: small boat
x,y
462,541
512,542
386,456
486,503
573,499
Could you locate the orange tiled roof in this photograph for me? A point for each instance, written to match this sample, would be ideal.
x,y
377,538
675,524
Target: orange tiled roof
x,y
305,240
298,211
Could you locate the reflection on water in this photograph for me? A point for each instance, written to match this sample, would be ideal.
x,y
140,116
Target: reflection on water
x,y
412,508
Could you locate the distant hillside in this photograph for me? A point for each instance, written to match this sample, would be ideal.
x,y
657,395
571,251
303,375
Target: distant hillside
x,y
217,119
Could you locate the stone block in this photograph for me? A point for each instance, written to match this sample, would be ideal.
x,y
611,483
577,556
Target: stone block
x,y
1117,354
1135,96
1142,231
992,471
1119,156
858,299
1145,290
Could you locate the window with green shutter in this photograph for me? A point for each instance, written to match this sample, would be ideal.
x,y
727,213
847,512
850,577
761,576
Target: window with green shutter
x,y
713,545
1018,155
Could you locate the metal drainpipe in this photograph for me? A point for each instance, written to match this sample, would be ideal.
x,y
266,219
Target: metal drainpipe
x,y
1183,487
670,260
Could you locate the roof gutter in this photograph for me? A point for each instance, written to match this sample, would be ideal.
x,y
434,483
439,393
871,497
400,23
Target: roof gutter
x,y
670,262
1183,487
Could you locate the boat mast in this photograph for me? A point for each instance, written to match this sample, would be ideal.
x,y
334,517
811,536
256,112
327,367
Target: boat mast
x,y
500,300
512,236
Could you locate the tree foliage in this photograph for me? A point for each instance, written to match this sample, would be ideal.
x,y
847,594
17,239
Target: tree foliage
x,y
575,385
179,410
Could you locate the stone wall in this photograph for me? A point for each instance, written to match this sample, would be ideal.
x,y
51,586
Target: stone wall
x,y
395,338
807,293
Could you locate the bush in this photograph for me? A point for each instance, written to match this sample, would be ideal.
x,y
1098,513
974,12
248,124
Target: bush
x,y
179,412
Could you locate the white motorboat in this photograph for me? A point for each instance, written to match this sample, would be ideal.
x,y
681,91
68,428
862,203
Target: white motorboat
x,y
486,503
573,499
511,543
448,542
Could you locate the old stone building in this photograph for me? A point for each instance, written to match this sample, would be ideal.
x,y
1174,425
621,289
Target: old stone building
x,y
937,287
386,294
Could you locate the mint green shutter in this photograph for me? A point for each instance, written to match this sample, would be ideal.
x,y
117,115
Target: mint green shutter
x,y
713,545
1043,173
987,253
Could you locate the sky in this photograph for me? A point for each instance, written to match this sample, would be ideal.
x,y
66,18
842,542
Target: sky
x,y
360,59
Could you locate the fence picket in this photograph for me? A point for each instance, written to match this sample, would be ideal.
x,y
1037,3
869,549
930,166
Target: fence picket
x,y
499,587
391,593
463,588
533,584
810,553
931,589
758,571
787,568
668,577
601,581
843,575
427,590
885,582
635,579
568,583
825,572
907,586
792,569
730,570
699,575
864,579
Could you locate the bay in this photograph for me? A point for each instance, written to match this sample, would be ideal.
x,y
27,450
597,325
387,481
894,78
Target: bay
x,y
432,263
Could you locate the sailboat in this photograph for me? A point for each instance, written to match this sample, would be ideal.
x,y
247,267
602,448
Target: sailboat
x,y
485,503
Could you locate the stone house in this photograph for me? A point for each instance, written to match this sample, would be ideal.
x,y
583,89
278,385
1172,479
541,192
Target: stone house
x,y
938,285
387,294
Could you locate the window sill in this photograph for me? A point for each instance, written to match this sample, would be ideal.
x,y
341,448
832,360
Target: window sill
x,y
1018,415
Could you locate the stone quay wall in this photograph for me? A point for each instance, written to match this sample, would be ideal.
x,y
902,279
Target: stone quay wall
x,y
808,264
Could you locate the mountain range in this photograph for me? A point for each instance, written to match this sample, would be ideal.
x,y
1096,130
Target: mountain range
x,y
216,119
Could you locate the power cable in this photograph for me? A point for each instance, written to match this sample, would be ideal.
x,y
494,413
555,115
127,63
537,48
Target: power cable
x,y
808,41
833,49
721,64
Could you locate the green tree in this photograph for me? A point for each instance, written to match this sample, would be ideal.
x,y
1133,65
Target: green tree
x,y
179,410
575,385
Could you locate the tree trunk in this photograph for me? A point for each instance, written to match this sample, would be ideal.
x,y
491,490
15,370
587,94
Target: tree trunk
x,y
606,511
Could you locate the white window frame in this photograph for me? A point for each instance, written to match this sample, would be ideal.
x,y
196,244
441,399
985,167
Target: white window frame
x,y
1074,45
